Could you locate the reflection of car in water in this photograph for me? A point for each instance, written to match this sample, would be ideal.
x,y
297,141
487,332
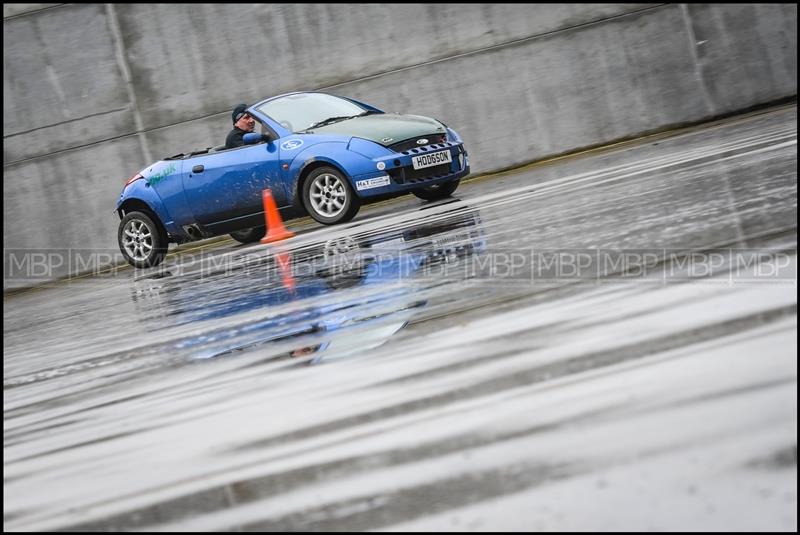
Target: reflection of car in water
x,y
345,295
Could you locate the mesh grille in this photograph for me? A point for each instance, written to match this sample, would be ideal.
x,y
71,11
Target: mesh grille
x,y
409,175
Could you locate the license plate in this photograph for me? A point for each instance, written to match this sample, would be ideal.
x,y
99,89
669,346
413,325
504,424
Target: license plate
x,y
429,160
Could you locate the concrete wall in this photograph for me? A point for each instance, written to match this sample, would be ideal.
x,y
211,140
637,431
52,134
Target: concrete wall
x,y
94,92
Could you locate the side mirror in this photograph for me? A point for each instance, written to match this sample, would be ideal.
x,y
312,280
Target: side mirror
x,y
251,138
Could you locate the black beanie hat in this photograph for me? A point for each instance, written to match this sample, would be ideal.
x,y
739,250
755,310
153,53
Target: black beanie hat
x,y
238,111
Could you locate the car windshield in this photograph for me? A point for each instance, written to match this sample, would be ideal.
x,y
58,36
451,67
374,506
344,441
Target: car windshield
x,y
304,110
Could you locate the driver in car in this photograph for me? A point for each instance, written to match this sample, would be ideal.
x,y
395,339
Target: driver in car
x,y
243,123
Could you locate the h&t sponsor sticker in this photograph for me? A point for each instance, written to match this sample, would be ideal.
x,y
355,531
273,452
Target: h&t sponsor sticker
x,y
370,183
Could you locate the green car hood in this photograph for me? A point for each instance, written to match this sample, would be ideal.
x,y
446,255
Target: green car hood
x,y
386,129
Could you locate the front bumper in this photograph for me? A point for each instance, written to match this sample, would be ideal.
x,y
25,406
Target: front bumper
x,y
400,176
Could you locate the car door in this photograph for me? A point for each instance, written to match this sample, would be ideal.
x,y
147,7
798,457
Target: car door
x,y
229,184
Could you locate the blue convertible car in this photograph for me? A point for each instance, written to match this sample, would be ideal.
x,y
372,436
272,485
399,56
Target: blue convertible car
x,y
319,154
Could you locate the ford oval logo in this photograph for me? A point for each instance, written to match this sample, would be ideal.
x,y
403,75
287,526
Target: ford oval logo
x,y
422,141
291,144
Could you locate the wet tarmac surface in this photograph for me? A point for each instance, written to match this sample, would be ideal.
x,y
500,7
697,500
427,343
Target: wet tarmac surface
x,y
603,342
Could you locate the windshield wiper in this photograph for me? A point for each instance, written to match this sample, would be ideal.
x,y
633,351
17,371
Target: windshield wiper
x,y
331,120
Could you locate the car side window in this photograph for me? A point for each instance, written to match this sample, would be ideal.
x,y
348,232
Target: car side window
x,y
266,129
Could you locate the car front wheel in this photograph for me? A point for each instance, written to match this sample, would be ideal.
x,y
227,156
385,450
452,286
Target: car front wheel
x,y
328,197
439,191
142,241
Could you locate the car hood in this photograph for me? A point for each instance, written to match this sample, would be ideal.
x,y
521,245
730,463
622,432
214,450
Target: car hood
x,y
386,129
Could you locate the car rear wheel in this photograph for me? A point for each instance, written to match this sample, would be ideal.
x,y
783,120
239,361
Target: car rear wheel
x,y
142,241
328,197
249,235
439,191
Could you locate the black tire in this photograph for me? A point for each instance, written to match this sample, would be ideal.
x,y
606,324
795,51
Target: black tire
x,y
323,210
142,240
439,191
249,235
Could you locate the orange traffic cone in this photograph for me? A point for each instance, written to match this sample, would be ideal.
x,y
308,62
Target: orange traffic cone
x,y
275,229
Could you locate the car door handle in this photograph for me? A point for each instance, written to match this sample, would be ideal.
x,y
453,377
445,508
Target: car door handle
x,y
197,169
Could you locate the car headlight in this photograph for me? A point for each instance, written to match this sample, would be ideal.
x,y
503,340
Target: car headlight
x,y
453,136
368,149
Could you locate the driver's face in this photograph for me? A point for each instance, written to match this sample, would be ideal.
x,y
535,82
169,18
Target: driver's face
x,y
246,123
